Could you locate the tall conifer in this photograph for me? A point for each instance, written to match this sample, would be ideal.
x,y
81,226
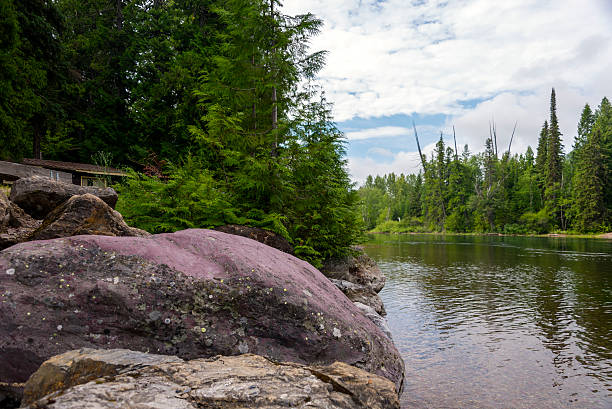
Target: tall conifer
x,y
589,206
554,149
542,157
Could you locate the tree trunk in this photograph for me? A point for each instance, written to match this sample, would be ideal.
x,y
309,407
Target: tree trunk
x,y
37,140
119,17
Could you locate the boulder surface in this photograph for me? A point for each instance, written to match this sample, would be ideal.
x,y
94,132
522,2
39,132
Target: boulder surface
x,y
129,379
358,269
194,293
362,294
84,214
15,224
266,237
38,195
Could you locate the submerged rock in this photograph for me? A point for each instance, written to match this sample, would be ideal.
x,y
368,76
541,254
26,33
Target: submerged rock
x,y
84,214
38,195
360,293
128,379
194,293
358,269
266,237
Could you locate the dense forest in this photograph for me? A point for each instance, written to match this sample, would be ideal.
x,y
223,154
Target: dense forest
x,y
492,191
215,108
213,103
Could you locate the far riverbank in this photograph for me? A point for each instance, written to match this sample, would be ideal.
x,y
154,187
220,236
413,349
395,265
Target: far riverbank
x,y
607,236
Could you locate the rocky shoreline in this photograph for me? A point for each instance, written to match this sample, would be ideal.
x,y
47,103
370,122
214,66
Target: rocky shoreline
x,y
224,307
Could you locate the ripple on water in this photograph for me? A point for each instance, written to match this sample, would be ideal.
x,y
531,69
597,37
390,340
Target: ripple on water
x,y
500,325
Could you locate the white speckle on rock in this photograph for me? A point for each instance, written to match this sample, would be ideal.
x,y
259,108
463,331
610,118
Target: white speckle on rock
x,y
307,293
116,280
336,333
167,321
243,347
59,327
10,271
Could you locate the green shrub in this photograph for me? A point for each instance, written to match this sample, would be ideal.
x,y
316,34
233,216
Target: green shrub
x,y
536,222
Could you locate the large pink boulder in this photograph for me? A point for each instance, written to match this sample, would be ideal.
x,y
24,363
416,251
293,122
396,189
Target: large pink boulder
x,y
194,293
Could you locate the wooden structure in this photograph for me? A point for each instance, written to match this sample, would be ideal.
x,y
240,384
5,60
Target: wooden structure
x,y
68,172
10,172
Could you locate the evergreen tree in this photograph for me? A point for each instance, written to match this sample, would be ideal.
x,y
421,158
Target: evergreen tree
x,y
436,187
589,195
541,159
587,119
30,76
604,123
554,152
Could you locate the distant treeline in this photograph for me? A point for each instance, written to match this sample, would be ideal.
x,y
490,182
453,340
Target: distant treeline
x,y
499,192
214,101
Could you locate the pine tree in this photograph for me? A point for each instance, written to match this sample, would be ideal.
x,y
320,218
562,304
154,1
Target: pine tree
x,y
590,182
554,149
541,159
436,187
603,122
587,119
30,77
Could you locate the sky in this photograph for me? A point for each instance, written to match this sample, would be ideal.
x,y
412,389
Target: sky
x,y
461,63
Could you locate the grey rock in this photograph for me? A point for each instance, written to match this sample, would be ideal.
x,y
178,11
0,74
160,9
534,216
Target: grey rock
x,y
84,214
358,268
15,224
360,293
373,316
83,365
222,382
38,195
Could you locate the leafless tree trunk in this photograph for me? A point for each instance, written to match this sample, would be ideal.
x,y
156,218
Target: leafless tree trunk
x,y
419,147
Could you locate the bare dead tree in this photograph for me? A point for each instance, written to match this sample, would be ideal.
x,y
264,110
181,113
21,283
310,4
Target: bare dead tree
x,y
512,137
455,139
416,136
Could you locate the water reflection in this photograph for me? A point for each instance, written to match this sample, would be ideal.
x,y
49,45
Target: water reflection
x,y
492,322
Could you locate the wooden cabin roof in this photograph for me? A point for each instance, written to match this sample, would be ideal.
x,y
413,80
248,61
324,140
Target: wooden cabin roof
x,y
75,167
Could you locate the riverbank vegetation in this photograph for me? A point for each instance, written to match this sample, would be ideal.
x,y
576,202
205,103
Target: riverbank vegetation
x,y
493,191
214,103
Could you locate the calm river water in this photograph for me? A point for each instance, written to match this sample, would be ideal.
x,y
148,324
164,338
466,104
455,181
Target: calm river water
x,y
500,322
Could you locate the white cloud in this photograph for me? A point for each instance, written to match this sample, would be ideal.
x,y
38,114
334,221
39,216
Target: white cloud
x,y
402,162
381,132
427,57
401,57
381,152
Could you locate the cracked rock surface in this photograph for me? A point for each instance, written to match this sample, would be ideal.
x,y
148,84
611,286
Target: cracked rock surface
x,y
133,380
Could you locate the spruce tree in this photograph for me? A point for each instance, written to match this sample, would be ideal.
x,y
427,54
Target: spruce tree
x,y
585,125
554,150
541,159
603,122
30,78
554,164
590,182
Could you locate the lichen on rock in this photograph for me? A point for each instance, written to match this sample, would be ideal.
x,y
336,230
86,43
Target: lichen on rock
x,y
195,293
